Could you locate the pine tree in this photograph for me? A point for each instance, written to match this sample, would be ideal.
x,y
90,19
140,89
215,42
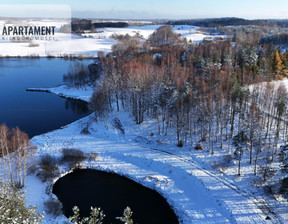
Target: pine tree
x,y
96,216
127,216
76,215
13,208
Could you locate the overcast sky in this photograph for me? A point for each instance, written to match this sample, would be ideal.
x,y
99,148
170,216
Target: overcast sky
x,y
170,9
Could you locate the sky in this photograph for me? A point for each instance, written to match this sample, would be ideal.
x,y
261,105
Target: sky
x,y
169,9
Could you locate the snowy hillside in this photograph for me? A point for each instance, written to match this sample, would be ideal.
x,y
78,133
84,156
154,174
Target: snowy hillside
x,y
197,193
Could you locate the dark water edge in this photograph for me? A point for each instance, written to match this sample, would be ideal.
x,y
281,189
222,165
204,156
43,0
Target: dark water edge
x,y
113,193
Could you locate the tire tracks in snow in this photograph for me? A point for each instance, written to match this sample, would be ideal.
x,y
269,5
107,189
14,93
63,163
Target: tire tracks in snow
x,y
261,204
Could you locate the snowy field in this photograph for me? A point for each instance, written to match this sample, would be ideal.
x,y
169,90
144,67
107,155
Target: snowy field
x,y
184,176
88,44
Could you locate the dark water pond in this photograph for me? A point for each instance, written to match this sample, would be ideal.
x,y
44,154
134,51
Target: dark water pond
x,y
113,193
36,113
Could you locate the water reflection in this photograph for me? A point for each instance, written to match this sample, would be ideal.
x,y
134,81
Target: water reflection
x,y
79,107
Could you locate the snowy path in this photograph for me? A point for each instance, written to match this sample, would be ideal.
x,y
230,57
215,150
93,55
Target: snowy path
x,y
196,182
196,194
260,203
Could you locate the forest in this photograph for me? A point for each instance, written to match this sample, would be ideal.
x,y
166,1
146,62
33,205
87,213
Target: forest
x,y
230,21
218,94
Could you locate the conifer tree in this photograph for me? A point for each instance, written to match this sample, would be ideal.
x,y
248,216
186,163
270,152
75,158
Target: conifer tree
x,y
127,216
13,208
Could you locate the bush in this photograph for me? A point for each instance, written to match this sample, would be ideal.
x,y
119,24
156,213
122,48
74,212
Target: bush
x,y
53,206
199,146
180,143
85,131
73,157
116,123
48,168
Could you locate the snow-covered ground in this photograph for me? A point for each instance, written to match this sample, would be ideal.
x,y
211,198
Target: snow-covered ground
x,y
88,44
192,33
184,176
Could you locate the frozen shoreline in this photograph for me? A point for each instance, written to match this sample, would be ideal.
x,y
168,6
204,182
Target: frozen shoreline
x,y
195,191
66,92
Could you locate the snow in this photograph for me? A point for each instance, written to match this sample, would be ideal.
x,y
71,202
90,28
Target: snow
x,y
81,93
88,44
63,45
196,192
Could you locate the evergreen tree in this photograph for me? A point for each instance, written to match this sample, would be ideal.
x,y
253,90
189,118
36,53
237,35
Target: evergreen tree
x,y
96,216
13,208
127,216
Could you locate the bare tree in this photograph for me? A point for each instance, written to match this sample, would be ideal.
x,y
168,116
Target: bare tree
x,y
15,150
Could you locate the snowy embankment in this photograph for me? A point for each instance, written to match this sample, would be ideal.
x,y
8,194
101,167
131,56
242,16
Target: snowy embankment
x,y
197,193
66,92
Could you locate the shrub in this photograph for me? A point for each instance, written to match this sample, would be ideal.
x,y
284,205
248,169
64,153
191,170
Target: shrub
x,y
73,157
85,131
53,206
199,146
180,143
116,123
48,168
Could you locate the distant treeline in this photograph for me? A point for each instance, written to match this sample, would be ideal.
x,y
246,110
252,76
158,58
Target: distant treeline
x,y
85,24
215,22
110,24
